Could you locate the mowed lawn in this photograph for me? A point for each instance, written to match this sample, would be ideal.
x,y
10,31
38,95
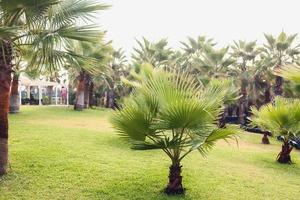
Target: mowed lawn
x,y
58,153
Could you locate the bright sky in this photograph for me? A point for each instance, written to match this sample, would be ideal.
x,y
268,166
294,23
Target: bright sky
x,y
224,20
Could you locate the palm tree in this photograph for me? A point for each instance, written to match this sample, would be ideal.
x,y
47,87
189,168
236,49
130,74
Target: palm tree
x,y
47,26
101,54
283,51
193,48
156,53
172,112
262,77
119,70
213,63
283,118
245,54
21,58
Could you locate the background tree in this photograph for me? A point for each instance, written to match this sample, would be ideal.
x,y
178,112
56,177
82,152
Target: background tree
x,y
157,54
18,68
100,54
172,112
282,51
244,54
46,26
213,63
119,70
193,48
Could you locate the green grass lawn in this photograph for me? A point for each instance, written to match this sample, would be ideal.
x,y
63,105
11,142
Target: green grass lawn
x,y
57,153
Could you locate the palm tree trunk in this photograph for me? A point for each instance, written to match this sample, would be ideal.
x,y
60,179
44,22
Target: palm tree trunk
x,y
14,105
265,139
175,180
79,101
284,156
267,93
111,99
6,57
4,104
242,103
86,92
278,90
91,98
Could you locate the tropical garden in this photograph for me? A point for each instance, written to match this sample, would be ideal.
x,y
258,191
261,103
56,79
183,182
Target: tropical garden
x,y
197,122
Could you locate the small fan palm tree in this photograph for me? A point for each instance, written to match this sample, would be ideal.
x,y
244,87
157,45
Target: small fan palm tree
x,y
172,112
282,118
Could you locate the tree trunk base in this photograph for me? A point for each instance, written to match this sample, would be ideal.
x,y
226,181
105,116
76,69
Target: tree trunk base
x,y
14,105
286,159
3,156
175,181
14,109
284,156
78,107
265,139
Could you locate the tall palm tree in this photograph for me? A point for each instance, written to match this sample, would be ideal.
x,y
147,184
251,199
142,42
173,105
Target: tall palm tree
x,y
119,70
172,112
244,54
283,51
283,118
101,54
47,26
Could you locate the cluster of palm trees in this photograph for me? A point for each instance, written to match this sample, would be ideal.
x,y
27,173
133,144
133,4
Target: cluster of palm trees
x,y
180,98
252,67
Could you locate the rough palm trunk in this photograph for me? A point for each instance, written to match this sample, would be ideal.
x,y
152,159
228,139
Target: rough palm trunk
x,y
278,90
86,91
278,87
79,101
243,103
243,98
107,99
91,98
284,156
267,93
5,84
255,94
175,180
111,99
14,105
265,139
